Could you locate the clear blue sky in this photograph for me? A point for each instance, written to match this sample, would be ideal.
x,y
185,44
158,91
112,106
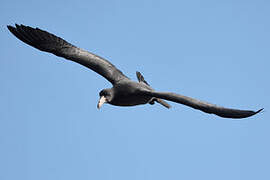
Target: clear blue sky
x,y
217,51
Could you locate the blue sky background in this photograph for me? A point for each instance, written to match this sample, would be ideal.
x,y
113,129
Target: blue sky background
x,y
217,51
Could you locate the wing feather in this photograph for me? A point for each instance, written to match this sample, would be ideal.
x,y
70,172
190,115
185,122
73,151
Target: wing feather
x,y
203,106
48,42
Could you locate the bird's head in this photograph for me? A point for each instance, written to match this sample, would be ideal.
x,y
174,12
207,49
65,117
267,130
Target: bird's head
x,y
106,96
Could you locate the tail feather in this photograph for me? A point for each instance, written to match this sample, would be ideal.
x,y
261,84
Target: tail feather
x,y
164,103
160,101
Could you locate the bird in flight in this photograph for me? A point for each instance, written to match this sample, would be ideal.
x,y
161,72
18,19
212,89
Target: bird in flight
x,y
124,92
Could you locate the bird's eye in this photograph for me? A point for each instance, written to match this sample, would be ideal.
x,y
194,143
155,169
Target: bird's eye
x,y
103,93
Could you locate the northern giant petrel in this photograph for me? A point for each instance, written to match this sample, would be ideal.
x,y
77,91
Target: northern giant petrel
x,y
124,92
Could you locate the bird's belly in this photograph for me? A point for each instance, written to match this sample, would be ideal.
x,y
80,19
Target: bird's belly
x,y
128,93
130,100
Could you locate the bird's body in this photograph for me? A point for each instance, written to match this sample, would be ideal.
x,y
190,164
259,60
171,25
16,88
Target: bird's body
x,y
124,92
128,93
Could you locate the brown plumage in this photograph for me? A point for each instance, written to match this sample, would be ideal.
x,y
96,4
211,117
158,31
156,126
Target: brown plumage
x,y
124,92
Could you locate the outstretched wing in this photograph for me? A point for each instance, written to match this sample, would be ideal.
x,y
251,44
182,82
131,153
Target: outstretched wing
x,y
48,42
203,106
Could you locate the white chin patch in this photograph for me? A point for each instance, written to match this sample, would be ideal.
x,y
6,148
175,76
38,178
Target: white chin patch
x,y
101,101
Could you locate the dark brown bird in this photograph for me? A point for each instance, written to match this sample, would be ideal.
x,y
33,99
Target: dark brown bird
x,y
124,92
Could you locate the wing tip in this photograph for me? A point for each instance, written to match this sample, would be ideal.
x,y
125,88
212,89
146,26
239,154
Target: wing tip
x,y
258,111
17,25
10,28
253,113
13,29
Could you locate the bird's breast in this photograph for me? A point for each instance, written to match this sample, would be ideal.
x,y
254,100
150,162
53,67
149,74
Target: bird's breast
x,y
128,94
